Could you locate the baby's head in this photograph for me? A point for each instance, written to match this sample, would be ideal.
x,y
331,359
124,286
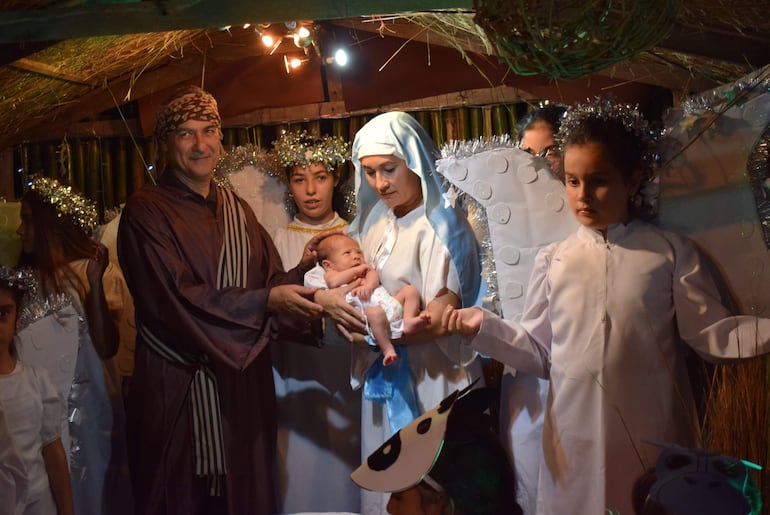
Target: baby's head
x,y
339,252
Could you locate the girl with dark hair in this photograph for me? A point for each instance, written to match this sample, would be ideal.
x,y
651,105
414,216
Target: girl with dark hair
x,y
606,312
536,133
34,479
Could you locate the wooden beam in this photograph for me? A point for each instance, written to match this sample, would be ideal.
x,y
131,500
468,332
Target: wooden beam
x,y
46,70
53,23
336,109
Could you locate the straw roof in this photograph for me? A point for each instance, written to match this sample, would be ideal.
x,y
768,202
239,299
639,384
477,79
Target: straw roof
x,y
47,87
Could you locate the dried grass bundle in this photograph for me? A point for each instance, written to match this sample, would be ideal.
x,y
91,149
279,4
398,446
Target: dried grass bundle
x,y
63,72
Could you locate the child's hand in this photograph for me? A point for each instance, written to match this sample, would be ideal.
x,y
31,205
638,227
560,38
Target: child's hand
x,y
97,263
463,321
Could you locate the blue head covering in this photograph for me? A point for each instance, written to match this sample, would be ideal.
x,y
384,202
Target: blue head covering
x,y
401,135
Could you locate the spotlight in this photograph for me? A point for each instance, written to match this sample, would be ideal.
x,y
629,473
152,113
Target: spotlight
x,y
291,63
302,37
340,58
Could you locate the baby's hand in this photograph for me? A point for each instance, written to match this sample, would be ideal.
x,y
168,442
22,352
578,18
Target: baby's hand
x,y
361,270
363,292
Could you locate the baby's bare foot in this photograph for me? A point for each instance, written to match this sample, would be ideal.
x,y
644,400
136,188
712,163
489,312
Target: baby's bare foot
x,y
414,324
389,357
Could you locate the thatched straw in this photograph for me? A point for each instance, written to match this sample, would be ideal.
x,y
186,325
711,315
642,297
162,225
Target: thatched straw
x,y
78,66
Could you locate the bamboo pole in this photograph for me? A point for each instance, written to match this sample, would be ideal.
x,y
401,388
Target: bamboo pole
x,y
120,156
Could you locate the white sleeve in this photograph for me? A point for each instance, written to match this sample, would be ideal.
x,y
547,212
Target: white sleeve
x,y
524,345
51,426
703,322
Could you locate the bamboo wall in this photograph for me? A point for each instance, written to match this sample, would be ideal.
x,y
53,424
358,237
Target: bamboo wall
x,y
108,170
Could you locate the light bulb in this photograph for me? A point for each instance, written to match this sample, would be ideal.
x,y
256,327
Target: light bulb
x,y
341,57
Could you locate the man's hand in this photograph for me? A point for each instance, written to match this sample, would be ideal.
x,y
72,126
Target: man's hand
x,y
347,318
310,253
294,300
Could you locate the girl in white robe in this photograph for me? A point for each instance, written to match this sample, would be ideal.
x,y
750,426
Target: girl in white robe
x,y
606,313
318,412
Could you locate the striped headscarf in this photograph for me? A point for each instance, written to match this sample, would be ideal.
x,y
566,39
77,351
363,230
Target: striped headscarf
x,y
191,103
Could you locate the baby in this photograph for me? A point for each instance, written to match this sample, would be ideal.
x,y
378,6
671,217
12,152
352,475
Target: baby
x,y
388,317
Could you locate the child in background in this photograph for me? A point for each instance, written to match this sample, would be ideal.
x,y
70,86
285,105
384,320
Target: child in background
x,y
606,313
31,411
388,317
56,223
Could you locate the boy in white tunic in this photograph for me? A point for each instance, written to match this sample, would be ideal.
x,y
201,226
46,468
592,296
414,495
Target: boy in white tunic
x,y
607,310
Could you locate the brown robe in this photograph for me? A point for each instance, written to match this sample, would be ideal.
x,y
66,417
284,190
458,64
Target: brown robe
x,y
169,242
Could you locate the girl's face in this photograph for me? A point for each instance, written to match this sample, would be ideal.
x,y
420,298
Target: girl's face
x,y
26,230
414,502
313,187
597,191
538,140
8,318
396,185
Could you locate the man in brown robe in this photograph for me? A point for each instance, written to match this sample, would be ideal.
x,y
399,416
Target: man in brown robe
x,y
208,286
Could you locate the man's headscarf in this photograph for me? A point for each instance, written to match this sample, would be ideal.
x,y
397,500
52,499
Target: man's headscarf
x,y
191,103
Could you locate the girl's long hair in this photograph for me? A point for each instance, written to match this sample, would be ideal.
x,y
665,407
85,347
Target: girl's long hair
x,y
57,242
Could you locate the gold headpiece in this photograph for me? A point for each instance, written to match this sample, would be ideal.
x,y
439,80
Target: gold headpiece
x,y
295,148
68,203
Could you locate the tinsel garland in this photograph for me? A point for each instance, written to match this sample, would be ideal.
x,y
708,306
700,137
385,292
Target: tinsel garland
x,y
475,212
240,157
69,204
296,148
33,307
702,111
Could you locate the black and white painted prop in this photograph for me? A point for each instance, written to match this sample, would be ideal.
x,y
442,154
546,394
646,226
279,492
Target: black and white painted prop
x,y
408,456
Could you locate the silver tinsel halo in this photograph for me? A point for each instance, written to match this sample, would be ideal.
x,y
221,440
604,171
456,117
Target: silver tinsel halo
x,y
461,149
240,157
22,279
68,203
296,148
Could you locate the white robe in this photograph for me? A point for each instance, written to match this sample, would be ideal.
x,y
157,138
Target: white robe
x,y
605,319
31,409
318,413
290,240
417,257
